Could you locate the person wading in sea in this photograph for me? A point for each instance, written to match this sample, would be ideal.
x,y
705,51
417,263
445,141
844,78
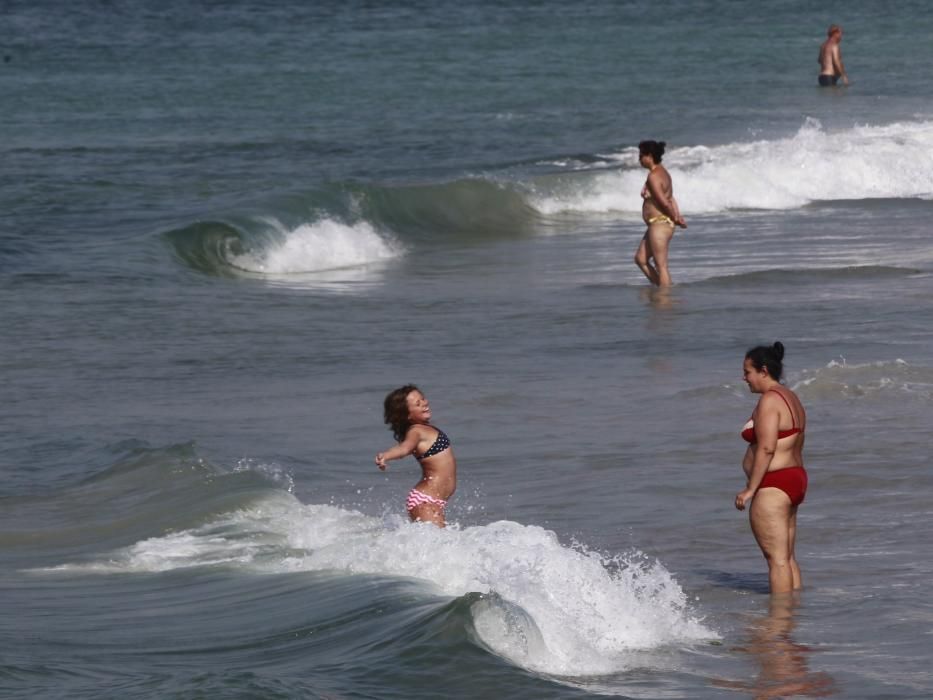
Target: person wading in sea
x,y
830,59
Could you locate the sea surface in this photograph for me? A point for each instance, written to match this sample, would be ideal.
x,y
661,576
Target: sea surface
x,y
228,229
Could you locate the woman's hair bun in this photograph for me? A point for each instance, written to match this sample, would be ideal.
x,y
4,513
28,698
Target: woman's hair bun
x,y
778,349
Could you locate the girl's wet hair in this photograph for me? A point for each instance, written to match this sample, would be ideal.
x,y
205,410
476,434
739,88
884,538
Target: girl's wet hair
x,y
396,410
770,357
653,148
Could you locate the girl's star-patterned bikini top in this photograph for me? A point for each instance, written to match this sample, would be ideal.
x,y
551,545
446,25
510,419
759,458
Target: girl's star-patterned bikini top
x,y
441,443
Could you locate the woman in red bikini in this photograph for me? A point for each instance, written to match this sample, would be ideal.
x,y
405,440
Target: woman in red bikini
x,y
777,480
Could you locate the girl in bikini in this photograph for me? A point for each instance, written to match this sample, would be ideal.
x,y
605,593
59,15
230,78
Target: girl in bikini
x,y
773,464
408,415
660,212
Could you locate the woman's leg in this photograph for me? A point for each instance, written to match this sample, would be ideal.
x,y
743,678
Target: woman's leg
x,y
794,568
659,239
643,258
770,518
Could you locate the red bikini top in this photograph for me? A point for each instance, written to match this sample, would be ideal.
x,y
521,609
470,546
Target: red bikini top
x,y
748,432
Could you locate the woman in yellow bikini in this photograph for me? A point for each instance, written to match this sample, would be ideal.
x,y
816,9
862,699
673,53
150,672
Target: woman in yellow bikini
x,y
659,210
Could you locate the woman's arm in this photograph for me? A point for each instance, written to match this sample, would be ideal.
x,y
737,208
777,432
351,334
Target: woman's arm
x,y
747,461
667,205
678,218
767,419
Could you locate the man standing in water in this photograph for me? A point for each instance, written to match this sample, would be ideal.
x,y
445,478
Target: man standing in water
x,y
830,59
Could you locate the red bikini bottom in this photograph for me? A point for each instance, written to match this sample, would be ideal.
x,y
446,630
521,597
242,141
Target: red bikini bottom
x,y
791,480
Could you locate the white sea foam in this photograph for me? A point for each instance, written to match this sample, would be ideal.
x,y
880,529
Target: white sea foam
x,y
547,606
863,162
323,245
897,379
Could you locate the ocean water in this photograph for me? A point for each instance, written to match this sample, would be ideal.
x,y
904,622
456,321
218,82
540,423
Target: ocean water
x,y
229,229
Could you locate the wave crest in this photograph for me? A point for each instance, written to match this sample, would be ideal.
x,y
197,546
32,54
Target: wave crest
x,y
266,246
863,162
547,607
838,379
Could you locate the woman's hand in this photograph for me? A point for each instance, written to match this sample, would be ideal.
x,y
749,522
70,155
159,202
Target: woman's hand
x,y
381,461
743,497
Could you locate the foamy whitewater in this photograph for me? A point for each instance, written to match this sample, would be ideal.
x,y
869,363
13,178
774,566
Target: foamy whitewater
x,y
814,165
319,246
228,233
549,608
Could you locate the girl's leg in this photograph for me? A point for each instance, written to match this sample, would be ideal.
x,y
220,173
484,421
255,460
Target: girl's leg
x,y
427,513
770,516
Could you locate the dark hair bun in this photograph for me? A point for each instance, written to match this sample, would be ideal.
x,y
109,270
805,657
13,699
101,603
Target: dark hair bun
x,y
653,148
768,356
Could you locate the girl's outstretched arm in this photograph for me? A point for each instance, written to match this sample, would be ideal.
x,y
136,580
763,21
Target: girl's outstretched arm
x,y
403,449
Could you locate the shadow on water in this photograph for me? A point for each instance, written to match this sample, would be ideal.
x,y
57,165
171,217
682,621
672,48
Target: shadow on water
x,y
752,583
783,663
665,310
659,298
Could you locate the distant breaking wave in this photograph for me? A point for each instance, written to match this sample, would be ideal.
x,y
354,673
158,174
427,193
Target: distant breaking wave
x,y
865,162
351,225
267,246
838,379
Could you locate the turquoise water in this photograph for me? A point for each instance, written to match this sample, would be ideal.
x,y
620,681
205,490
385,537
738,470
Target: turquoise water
x,y
230,228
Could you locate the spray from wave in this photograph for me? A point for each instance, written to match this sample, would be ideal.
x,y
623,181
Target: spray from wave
x,y
266,246
542,605
314,247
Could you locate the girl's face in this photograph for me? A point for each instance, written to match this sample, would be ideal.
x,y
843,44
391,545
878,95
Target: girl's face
x,y
754,377
419,411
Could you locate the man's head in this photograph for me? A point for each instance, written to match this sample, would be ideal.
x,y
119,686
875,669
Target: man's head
x,y
834,31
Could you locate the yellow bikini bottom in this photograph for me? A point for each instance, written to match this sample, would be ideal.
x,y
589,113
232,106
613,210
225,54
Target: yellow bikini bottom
x,y
661,218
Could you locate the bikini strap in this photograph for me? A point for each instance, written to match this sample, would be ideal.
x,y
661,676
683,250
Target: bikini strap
x,y
793,422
